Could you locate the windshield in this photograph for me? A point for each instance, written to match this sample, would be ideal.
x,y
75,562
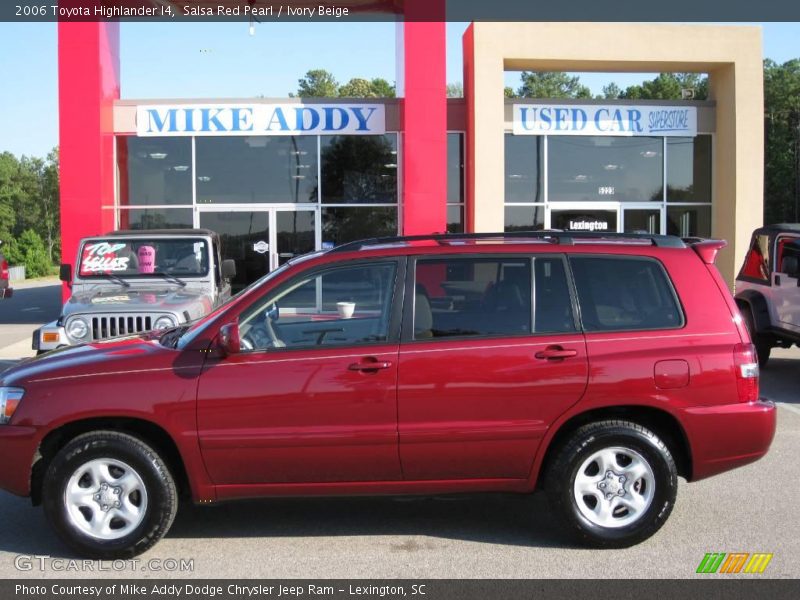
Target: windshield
x,y
144,257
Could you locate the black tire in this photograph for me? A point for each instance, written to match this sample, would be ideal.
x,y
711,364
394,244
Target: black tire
x,y
762,342
159,485
583,444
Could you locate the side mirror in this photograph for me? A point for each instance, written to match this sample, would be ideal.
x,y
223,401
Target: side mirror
x,y
228,268
65,273
273,312
229,341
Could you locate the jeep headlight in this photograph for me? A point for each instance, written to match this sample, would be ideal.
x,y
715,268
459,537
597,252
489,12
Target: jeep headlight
x,y
164,322
9,400
78,328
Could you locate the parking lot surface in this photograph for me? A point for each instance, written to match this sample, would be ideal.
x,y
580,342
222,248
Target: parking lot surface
x,y
752,509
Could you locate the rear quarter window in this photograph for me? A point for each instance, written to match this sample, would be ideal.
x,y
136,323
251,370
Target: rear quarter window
x,y
625,294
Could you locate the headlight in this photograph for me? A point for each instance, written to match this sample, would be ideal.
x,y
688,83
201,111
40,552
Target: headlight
x,y
9,400
163,323
78,328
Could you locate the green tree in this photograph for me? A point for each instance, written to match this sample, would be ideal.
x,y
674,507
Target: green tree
x,y
551,84
382,88
51,205
508,92
455,90
611,92
363,88
782,141
29,250
668,86
317,83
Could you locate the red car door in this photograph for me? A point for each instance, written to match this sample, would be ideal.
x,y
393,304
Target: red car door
x,y
313,395
483,370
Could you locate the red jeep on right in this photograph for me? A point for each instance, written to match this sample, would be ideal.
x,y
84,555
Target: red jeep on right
x,y
768,288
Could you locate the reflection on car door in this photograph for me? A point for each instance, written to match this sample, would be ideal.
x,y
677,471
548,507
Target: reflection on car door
x,y
320,404
483,373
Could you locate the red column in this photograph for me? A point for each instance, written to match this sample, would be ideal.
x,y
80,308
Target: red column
x,y
88,84
423,83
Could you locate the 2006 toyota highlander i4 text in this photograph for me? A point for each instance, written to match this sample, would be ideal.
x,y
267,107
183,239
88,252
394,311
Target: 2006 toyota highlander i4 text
x,y
596,367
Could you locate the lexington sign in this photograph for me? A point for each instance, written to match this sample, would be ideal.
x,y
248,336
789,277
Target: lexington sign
x,y
259,119
604,119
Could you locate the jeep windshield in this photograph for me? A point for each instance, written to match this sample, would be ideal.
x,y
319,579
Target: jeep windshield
x,y
133,258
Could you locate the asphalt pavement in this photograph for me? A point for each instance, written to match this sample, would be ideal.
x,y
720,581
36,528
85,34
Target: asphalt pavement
x,y
33,304
752,509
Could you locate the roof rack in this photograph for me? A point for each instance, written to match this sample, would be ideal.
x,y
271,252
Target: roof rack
x,y
554,236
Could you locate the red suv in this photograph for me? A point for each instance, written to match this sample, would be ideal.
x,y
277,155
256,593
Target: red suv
x,y
597,367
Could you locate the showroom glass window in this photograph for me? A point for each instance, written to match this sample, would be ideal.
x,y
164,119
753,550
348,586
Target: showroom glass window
x,y
154,171
256,169
605,168
689,186
524,182
358,187
455,183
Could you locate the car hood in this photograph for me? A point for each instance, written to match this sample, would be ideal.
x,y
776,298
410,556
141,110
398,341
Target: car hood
x,y
129,354
155,299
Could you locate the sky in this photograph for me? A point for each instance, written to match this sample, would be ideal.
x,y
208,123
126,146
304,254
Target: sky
x,y
218,60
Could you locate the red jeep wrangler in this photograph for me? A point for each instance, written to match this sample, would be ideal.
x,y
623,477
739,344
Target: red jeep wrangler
x,y
597,367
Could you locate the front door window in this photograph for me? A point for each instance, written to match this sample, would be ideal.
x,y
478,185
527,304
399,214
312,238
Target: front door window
x,y
343,306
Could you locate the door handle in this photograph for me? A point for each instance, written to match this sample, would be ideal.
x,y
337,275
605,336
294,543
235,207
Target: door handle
x,y
370,366
555,353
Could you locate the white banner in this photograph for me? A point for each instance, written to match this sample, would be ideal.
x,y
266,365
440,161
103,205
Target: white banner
x,y
260,119
604,119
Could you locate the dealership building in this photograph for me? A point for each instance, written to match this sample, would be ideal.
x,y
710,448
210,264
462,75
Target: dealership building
x,y
284,176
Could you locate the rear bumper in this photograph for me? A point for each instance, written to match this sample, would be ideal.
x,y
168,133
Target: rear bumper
x,y
727,436
18,446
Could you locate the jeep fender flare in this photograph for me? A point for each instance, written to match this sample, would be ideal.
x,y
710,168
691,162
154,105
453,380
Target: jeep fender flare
x,y
757,305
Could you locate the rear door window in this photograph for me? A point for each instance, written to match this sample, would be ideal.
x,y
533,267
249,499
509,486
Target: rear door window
x,y
458,297
624,294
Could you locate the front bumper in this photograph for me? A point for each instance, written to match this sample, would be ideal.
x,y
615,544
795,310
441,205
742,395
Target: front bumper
x,y
727,436
18,447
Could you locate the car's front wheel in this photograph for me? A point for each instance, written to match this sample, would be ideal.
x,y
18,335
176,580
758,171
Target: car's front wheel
x,y
109,495
613,483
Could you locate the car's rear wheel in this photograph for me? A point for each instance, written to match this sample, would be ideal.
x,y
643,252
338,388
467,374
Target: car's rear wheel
x,y
612,483
762,342
109,495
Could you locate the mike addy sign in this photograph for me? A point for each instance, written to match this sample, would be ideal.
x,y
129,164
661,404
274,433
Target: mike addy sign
x,y
604,119
260,119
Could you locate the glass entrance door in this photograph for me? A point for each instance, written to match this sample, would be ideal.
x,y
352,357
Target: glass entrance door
x,y
261,240
295,234
641,220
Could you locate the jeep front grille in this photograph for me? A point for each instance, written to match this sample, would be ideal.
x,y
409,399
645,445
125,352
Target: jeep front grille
x,y
108,326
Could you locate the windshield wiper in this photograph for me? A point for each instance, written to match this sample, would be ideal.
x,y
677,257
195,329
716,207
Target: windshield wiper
x,y
115,279
171,279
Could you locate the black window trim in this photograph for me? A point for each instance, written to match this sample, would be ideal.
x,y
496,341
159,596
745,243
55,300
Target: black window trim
x,y
652,259
395,310
407,329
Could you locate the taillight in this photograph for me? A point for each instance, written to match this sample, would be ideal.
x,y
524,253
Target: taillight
x,y
745,363
4,269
